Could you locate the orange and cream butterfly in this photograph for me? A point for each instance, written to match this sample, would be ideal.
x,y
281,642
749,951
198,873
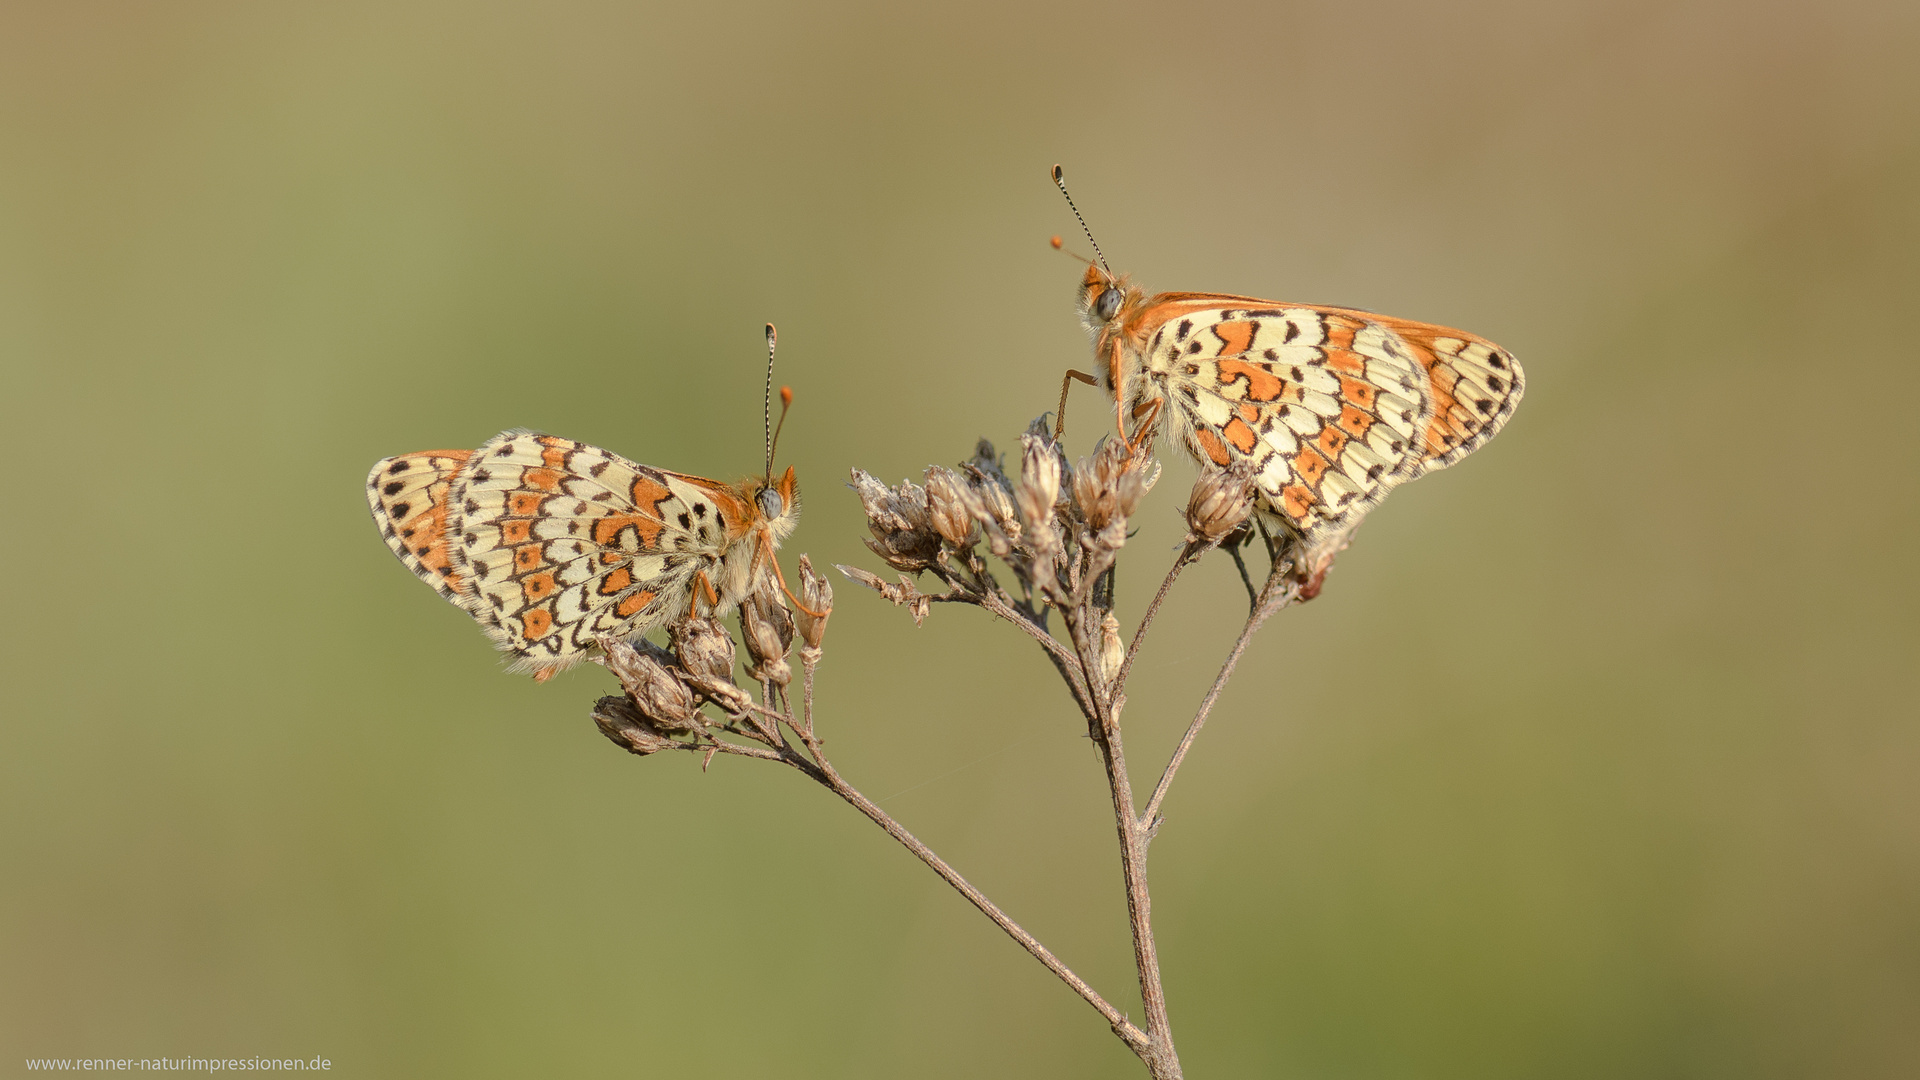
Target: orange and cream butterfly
x,y
1331,407
552,544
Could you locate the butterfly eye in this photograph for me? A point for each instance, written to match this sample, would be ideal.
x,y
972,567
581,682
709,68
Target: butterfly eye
x,y
770,503
1107,305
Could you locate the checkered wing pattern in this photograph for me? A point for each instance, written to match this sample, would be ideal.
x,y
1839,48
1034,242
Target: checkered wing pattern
x,y
409,496
561,543
1333,406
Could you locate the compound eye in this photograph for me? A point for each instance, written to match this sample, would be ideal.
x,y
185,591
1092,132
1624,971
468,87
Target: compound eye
x,y
770,504
1107,305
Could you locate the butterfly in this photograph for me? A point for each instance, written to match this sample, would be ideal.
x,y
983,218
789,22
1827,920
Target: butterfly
x,y
1331,407
552,544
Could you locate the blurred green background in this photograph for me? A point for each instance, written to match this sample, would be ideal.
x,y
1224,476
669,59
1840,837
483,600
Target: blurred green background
x,y
1596,759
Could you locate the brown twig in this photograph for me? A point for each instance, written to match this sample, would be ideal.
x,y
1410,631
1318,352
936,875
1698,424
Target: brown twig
x,y
821,770
1069,665
1280,591
1193,550
1158,1054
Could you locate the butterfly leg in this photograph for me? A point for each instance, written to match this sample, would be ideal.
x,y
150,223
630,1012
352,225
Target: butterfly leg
x,y
1233,544
702,585
1060,416
1144,414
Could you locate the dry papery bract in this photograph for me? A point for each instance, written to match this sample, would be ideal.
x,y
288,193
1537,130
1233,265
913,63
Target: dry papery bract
x,y
1056,532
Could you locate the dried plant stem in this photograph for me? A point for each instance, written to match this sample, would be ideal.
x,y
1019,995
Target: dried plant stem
x,y
1280,591
1158,1054
823,771
997,602
1193,550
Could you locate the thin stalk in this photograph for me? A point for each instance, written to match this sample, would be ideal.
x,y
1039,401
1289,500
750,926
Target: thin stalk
x,y
1187,555
1279,592
821,770
1162,1062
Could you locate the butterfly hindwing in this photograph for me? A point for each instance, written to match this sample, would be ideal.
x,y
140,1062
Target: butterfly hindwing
x,y
1330,405
563,543
1474,385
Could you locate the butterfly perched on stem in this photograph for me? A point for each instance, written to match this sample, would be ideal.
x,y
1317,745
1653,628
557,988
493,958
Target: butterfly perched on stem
x,y
552,544
1331,407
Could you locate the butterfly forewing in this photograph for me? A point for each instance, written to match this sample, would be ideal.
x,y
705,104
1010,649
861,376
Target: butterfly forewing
x,y
1331,405
409,496
563,543
1474,385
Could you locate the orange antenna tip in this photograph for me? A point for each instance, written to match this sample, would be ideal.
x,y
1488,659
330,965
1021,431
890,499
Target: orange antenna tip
x,y
786,396
1055,241
1058,173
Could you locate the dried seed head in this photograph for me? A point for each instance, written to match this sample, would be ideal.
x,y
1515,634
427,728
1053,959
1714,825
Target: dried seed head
x,y
655,689
947,507
767,630
1108,486
986,460
1094,493
705,649
619,721
903,534
817,595
992,499
1221,501
1039,481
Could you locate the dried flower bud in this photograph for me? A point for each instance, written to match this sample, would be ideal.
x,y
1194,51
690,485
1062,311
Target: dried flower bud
x,y
1039,481
1112,650
903,594
705,650
817,596
656,690
947,507
1221,501
985,460
991,499
902,532
767,630
1108,486
619,721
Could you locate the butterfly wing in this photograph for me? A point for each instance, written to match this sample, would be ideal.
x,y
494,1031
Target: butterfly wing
x,y
409,496
1474,384
562,543
1334,406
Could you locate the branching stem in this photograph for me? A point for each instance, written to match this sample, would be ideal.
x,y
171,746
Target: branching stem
x,y
1279,592
823,771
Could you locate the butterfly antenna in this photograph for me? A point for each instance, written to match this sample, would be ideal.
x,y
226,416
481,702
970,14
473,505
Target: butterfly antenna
x,y
1060,247
786,402
766,412
1060,181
